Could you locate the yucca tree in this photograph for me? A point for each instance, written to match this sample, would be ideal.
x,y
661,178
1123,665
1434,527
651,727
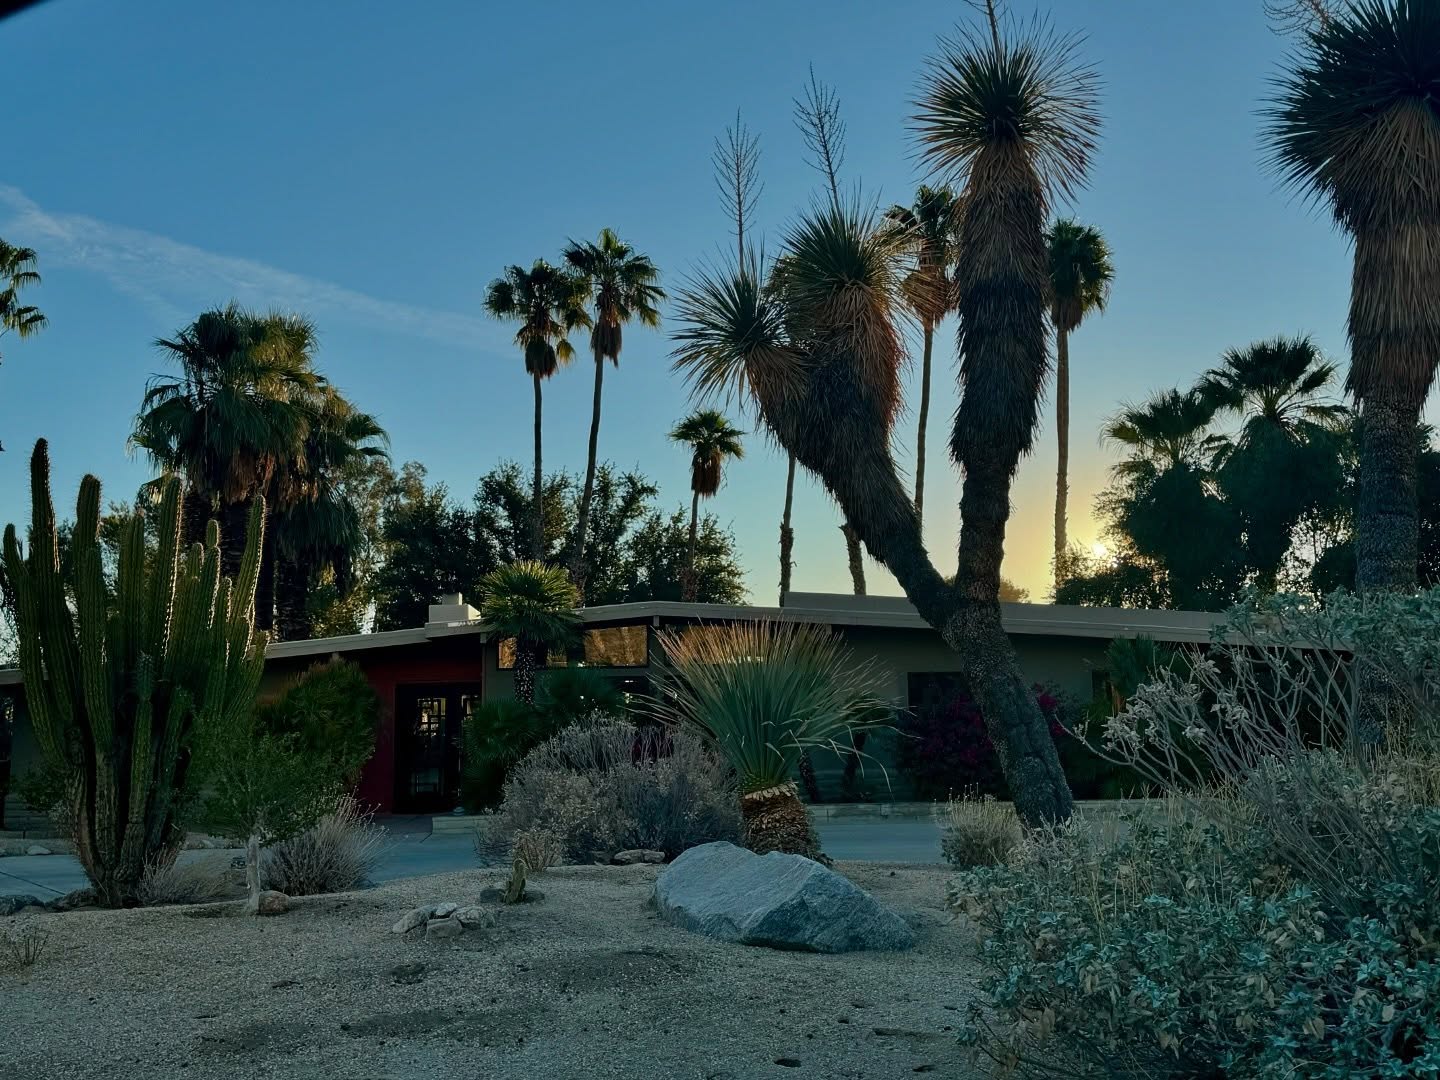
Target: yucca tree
x,y
763,694
928,227
233,421
316,526
624,286
17,272
534,604
548,302
1007,124
1080,276
1355,123
1289,427
712,440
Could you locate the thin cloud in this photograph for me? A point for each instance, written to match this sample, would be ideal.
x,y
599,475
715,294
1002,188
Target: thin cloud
x,y
176,279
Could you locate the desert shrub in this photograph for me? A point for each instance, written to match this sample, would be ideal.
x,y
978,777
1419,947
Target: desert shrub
x,y
496,735
336,853
538,849
21,948
605,787
188,881
571,695
979,830
1302,878
330,710
42,789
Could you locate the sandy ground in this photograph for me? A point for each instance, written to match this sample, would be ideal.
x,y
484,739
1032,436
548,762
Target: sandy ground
x,y
587,983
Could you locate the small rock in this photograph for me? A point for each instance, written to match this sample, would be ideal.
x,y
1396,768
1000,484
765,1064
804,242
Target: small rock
x,y
283,983
443,928
788,1063
444,911
413,919
9,905
407,974
637,855
273,903
474,917
38,849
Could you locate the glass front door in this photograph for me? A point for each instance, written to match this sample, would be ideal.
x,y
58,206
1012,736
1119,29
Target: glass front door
x,y
429,727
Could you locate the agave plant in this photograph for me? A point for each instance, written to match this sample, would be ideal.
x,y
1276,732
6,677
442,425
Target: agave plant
x,y
763,693
1008,125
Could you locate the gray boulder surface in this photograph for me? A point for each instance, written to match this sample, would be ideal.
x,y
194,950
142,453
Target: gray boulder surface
x,y
780,901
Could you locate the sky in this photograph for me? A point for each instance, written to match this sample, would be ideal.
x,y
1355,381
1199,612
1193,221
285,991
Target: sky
x,y
374,165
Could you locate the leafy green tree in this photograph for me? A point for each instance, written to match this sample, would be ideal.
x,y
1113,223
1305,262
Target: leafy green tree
x,y
1008,123
534,604
655,557
929,231
548,303
505,515
712,440
624,286
1355,123
331,712
1080,276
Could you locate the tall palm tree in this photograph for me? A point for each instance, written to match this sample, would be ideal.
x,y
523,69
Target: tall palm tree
x,y
1080,275
548,303
1289,427
316,526
1355,124
17,272
534,604
929,228
1169,429
236,417
1008,123
623,285
712,440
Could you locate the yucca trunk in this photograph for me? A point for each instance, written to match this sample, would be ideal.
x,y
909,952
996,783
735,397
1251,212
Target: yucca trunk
x,y
775,820
1062,438
787,534
537,515
527,655
855,557
923,423
688,585
578,566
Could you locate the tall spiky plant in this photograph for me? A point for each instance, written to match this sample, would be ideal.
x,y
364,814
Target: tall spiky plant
x,y
1009,123
1080,276
120,681
624,286
1355,124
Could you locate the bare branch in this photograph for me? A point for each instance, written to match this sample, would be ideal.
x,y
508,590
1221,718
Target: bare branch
x,y
1299,16
736,162
817,115
988,8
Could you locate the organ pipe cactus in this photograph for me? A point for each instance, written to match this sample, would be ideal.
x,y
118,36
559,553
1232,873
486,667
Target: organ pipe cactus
x,y
120,677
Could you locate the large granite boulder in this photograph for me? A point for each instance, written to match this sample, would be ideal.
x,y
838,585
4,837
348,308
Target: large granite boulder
x,y
782,901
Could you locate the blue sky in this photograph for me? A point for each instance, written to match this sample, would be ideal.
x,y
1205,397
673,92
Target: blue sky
x,y
375,165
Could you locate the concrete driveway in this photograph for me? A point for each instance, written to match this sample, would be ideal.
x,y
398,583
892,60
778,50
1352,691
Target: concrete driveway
x,y
415,854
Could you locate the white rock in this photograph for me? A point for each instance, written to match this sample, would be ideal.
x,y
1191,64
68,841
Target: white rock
x,y
444,911
413,919
443,928
273,903
474,917
637,855
36,849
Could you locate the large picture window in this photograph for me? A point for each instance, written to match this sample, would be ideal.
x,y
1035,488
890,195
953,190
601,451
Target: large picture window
x,y
606,646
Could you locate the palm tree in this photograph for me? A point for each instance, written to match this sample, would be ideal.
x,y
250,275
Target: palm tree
x,y
548,303
534,604
1289,428
1171,428
712,439
929,227
1080,275
1355,123
623,285
316,525
17,271
1008,124
235,418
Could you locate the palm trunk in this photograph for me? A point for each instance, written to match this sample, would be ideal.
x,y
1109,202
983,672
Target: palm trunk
x,y
787,534
775,820
688,589
1062,435
577,568
920,430
855,557
194,513
1387,529
292,587
537,516
525,665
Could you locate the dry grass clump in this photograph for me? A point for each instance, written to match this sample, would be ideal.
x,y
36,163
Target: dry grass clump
x,y
538,849
979,831
336,854
21,949
197,881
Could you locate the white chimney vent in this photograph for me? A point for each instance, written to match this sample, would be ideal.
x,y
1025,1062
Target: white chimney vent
x,y
451,610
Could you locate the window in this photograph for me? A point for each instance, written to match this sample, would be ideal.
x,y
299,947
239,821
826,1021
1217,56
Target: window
x,y
607,646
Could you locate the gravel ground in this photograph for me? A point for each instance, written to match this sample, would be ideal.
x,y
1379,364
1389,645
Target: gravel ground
x,y
586,983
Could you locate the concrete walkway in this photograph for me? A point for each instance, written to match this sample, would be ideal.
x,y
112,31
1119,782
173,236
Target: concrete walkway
x,y
413,853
